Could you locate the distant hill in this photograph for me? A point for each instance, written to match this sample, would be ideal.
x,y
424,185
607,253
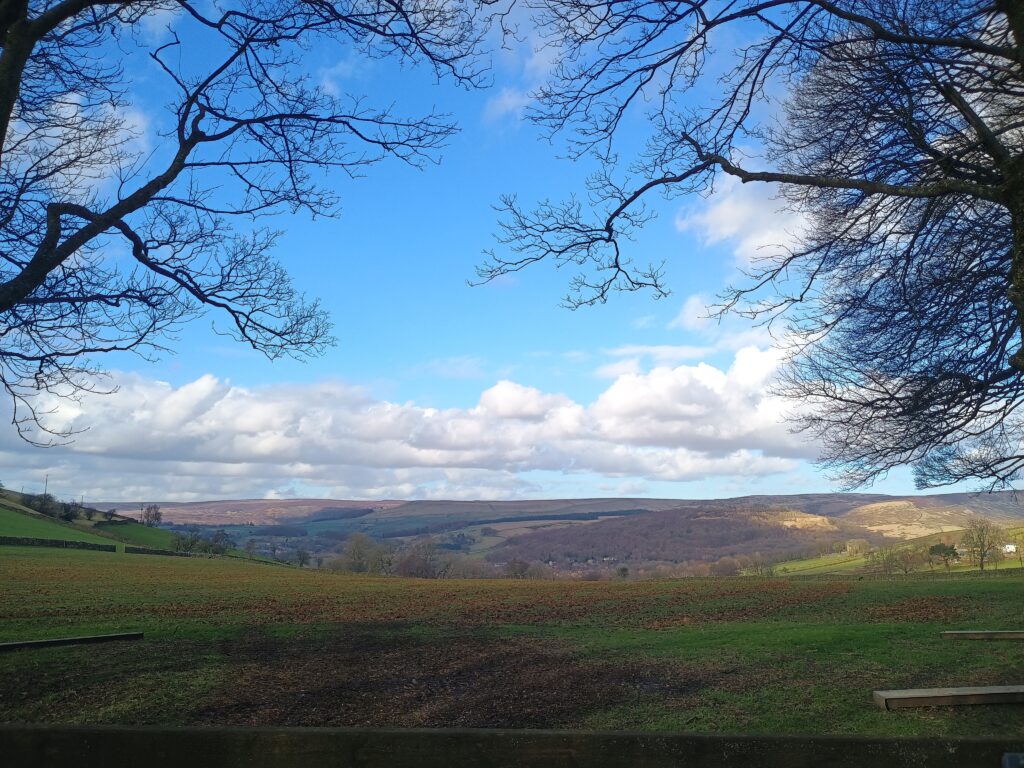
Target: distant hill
x,y
773,526
242,511
571,532
271,511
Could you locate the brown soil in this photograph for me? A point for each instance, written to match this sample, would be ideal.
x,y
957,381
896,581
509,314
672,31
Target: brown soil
x,y
918,609
354,676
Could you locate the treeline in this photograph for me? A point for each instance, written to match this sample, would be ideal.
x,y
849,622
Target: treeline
x,y
193,542
674,537
982,544
424,558
454,525
68,511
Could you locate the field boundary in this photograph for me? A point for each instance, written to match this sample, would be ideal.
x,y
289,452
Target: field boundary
x,y
27,541
99,746
132,550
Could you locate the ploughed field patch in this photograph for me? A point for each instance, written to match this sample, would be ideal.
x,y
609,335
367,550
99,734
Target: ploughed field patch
x,y
230,642
364,676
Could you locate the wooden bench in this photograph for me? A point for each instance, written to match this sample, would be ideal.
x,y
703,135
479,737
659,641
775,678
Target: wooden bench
x,y
948,697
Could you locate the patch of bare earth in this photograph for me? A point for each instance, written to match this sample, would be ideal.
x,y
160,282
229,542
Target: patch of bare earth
x,y
918,609
361,677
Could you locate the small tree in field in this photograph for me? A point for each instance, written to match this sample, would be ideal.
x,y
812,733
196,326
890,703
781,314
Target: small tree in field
x,y
187,542
89,513
726,566
516,569
151,515
109,514
945,552
358,553
884,559
982,539
910,559
302,558
220,542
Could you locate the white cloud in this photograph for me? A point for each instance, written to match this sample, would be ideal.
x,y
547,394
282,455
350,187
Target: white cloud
x,y
693,316
729,334
158,23
643,322
626,367
349,67
508,101
542,59
748,216
458,367
662,354
210,438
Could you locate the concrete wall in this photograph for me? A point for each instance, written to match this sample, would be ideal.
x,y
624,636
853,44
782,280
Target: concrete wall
x,y
104,747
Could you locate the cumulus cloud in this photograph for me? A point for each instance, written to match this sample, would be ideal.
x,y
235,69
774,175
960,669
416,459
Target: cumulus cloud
x,y
211,438
729,334
750,217
693,315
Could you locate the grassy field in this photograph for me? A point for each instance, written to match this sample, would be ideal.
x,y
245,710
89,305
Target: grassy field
x,y
845,564
17,523
240,643
18,520
138,534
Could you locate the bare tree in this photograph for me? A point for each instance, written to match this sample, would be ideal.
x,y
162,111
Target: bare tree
x,y
358,552
151,515
884,559
983,539
107,244
896,128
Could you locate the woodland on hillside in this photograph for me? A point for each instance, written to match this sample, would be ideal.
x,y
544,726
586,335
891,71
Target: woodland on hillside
x,y
676,536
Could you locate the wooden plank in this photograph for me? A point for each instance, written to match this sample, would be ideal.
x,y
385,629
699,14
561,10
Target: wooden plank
x,y
949,697
984,634
70,641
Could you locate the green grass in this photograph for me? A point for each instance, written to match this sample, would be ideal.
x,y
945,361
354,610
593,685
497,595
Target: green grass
x,y
17,523
823,564
231,639
138,534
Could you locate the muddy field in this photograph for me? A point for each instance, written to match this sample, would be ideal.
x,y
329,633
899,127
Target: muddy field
x,y
235,643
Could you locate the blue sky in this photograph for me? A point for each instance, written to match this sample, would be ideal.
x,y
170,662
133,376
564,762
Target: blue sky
x,y
438,389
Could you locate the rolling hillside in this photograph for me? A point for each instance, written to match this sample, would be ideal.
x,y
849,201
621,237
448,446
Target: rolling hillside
x,y
572,532
14,522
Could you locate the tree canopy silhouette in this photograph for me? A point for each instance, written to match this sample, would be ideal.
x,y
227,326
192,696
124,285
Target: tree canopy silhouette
x,y
896,127
107,243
